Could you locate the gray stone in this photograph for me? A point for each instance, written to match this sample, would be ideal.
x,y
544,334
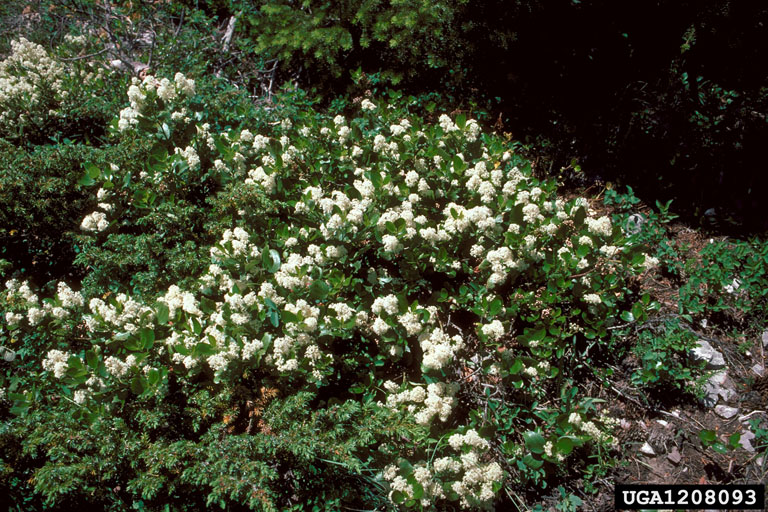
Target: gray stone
x,y
705,352
715,388
711,394
634,224
765,339
746,441
726,393
674,456
719,378
758,369
7,354
646,449
726,412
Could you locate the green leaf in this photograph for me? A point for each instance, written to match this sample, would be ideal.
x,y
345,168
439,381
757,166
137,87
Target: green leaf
x,y
459,165
495,307
92,359
534,441
707,436
531,462
91,170
147,338
207,306
274,318
719,448
86,181
627,316
270,260
398,497
153,377
137,385
566,444
162,312
319,289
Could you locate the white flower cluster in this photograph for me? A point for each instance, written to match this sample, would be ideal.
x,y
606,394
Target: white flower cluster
x,y
35,312
476,485
56,361
466,474
150,87
437,400
122,313
30,82
592,298
95,221
601,226
177,299
189,154
494,330
118,368
439,348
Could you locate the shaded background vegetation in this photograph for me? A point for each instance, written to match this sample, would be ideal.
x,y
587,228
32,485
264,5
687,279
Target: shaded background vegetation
x,y
669,97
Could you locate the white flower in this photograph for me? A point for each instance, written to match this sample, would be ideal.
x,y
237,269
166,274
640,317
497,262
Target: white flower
x,y
380,327
494,330
391,243
96,221
56,362
601,226
592,298
13,318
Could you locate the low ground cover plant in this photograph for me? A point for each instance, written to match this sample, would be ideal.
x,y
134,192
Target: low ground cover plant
x,y
387,299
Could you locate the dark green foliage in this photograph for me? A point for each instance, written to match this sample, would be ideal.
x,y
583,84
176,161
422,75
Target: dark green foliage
x,y
142,456
729,285
42,204
665,97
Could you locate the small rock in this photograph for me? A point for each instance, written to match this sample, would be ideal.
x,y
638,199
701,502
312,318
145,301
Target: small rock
x,y
705,352
746,441
8,354
726,393
758,369
674,456
719,378
711,394
713,388
646,449
634,224
765,339
726,412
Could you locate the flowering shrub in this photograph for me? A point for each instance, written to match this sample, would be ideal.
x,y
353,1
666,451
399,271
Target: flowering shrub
x,y
375,269
37,90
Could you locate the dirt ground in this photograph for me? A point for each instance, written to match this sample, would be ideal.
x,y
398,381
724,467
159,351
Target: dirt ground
x,y
671,424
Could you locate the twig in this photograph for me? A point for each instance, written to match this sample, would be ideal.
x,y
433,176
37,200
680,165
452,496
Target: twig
x,y
151,48
228,34
742,418
181,21
80,57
